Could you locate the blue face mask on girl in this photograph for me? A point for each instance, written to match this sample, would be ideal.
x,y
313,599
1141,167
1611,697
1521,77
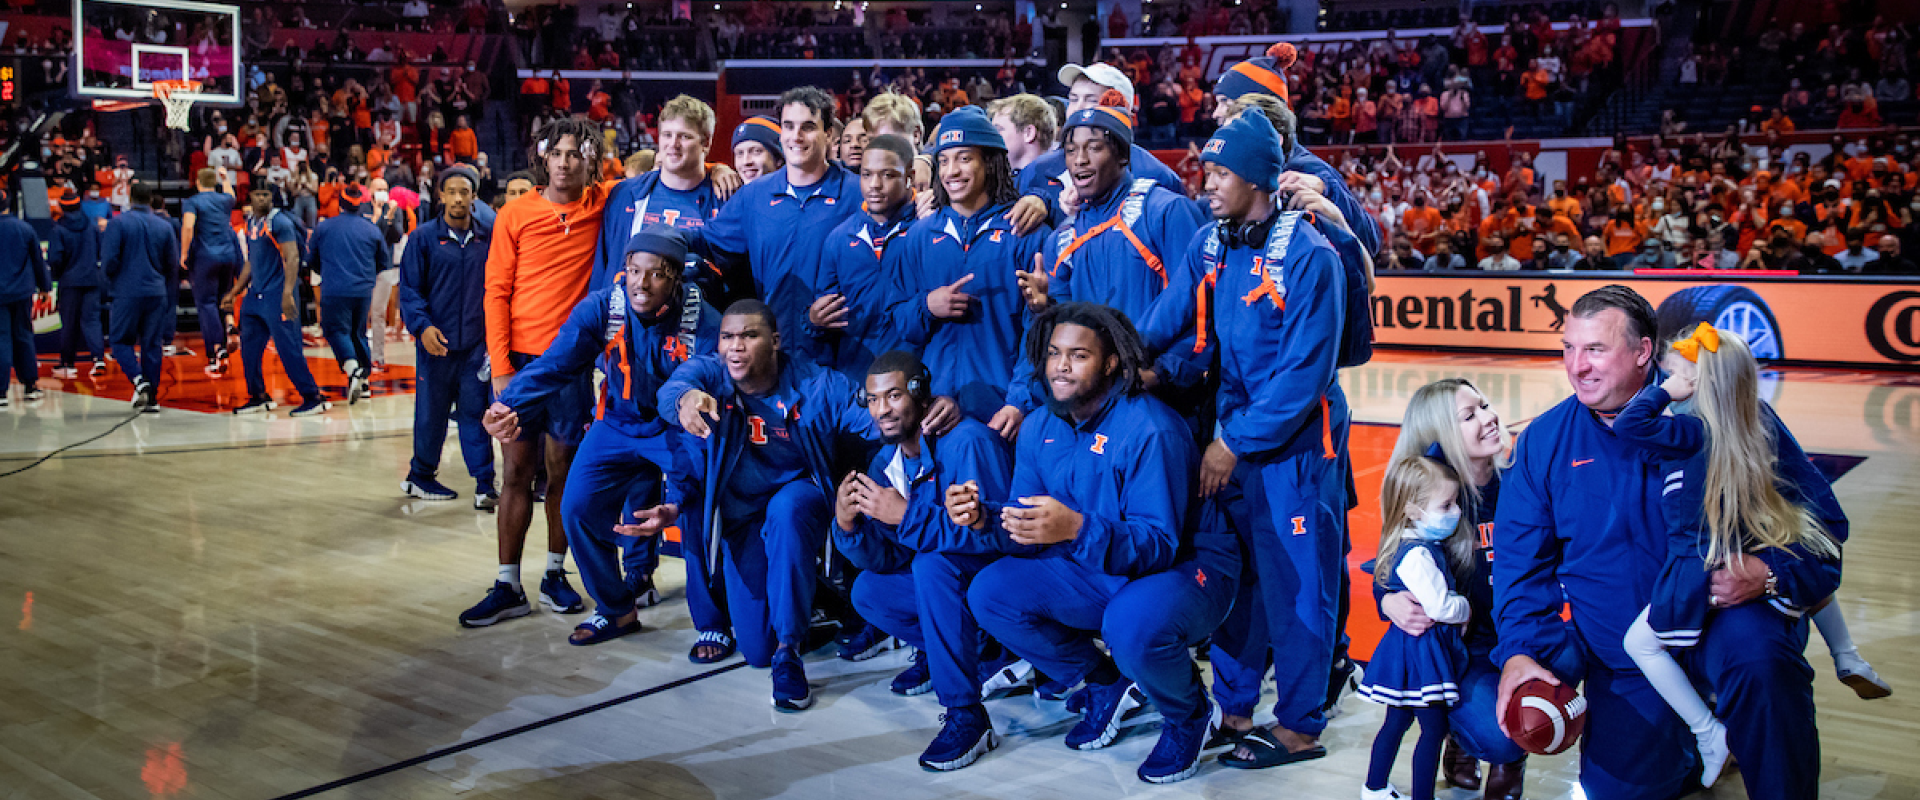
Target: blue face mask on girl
x,y
1431,528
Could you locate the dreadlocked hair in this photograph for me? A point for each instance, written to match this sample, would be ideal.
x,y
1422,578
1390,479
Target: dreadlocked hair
x,y
592,144
1001,188
1116,333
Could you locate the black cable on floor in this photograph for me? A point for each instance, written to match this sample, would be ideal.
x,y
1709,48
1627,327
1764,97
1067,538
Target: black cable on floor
x,y
490,739
49,457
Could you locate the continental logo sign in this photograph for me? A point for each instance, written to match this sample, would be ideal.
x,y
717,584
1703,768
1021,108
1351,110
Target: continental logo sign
x,y
1795,320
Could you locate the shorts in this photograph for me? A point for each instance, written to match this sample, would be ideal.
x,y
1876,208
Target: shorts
x,y
565,416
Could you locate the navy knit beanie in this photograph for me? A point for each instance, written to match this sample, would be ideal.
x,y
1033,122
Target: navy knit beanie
x,y
1250,148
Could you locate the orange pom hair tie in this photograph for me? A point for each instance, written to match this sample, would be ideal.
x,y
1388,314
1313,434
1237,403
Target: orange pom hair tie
x,y
1703,336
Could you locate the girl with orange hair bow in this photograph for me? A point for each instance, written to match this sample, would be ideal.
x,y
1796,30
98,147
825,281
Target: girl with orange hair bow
x,y
1723,509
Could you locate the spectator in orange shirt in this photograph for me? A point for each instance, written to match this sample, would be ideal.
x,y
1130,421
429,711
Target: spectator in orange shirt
x,y
561,95
1623,235
599,103
1778,122
1565,205
1421,222
1428,107
406,89
1341,114
1533,85
463,145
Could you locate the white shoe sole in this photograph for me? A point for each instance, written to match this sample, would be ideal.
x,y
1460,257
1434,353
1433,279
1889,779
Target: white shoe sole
x,y
1867,685
980,748
260,409
1128,702
882,646
315,411
409,489
1011,676
790,706
507,614
555,607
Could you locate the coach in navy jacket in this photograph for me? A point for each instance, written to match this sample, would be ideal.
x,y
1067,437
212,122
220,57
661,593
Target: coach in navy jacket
x,y
73,255
1580,523
141,256
348,252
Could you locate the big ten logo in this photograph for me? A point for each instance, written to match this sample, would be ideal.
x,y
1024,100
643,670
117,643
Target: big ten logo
x,y
1214,145
1893,326
1893,416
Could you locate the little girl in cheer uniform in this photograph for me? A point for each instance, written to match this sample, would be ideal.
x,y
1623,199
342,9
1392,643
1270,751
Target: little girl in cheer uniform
x,y
1721,499
1422,546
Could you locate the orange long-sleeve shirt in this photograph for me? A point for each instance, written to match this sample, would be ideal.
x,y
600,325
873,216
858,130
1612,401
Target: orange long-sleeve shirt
x,y
463,144
537,270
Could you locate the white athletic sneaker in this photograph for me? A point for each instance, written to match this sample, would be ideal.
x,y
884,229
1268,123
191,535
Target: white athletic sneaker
x,y
1016,674
1713,753
1388,793
1859,676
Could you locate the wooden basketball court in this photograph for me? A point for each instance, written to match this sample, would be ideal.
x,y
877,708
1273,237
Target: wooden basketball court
x,y
202,606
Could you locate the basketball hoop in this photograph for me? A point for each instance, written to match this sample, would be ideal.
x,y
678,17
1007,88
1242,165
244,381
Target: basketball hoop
x,y
178,97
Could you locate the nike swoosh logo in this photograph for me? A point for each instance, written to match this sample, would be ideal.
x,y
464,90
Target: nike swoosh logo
x,y
939,239
1583,462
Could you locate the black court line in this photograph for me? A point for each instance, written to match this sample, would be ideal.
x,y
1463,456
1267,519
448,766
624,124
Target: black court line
x,y
490,739
212,449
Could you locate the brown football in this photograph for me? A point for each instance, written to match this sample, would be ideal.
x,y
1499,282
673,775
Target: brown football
x,y
1546,719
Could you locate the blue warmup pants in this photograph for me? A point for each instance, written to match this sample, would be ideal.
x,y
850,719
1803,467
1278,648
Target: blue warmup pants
x,y
449,388
926,606
1751,659
17,356
209,279
1291,513
1049,609
611,471
343,320
80,324
1473,723
770,570
256,329
146,323
1239,652
706,590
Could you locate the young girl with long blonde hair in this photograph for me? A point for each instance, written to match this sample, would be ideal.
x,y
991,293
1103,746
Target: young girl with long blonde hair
x,y
1722,501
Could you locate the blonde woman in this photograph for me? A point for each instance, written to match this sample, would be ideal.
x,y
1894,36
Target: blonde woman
x,y
1451,419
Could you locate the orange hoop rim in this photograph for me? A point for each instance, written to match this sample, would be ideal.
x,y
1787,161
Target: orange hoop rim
x,y
162,89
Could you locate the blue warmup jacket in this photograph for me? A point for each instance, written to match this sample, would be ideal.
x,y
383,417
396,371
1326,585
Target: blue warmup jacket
x,y
1110,270
828,424
1580,522
1130,471
1364,226
860,266
1049,165
641,200
267,272
779,239
969,452
213,239
349,252
141,255
443,281
1277,338
98,208
23,268
971,357
73,254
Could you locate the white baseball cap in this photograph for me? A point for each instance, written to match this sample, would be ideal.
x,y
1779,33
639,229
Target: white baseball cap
x,y
1103,74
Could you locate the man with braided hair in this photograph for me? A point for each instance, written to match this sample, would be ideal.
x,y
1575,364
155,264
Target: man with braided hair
x,y
538,266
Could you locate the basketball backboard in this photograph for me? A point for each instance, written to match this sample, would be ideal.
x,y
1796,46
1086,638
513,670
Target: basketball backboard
x,y
124,46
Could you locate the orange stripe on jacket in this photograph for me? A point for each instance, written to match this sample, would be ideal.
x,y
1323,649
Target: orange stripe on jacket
x,y
537,270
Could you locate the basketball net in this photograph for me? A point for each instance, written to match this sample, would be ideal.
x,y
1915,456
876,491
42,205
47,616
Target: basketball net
x,y
177,96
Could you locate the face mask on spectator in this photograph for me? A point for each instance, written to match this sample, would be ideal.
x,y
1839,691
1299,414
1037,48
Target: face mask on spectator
x,y
380,196
1786,211
1659,205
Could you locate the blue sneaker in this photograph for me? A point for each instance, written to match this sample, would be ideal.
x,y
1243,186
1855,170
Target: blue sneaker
x,y
916,680
1103,707
1176,757
504,601
427,489
966,734
790,689
558,595
869,642
310,406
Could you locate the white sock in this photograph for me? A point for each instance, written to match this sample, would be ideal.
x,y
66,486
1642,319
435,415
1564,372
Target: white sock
x,y
352,367
510,574
1833,628
556,562
1667,677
